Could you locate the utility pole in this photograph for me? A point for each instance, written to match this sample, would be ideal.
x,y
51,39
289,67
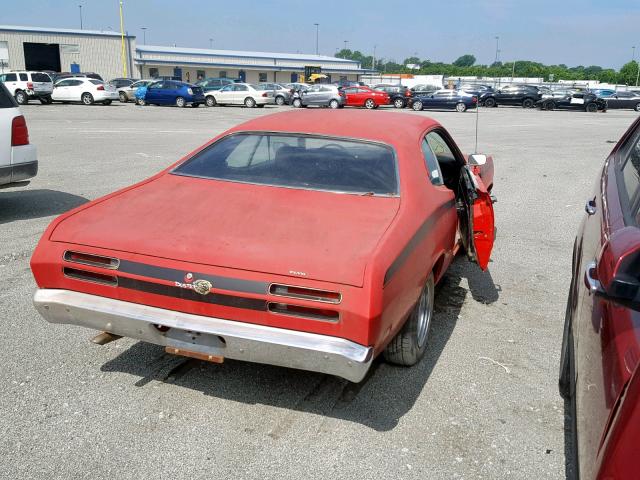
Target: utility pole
x,y
124,63
513,70
633,55
638,74
211,43
345,44
497,49
144,35
317,30
80,7
373,64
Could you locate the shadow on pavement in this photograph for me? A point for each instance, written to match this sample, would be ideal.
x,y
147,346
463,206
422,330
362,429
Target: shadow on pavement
x,y
26,204
570,453
379,401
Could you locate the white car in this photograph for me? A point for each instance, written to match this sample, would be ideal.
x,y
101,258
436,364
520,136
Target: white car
x,y
85,90
240,94
25,85
18,158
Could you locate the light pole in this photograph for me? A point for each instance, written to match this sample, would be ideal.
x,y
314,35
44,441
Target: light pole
x,y
144,35
373,64
211,43
513,70
633,54
345,44
80,8
317,30
497,49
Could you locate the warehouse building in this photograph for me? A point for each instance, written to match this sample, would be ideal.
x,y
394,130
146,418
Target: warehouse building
x,y
69,50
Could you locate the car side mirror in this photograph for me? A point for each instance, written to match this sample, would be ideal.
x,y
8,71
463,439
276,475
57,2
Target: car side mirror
x,y
477,159
616,275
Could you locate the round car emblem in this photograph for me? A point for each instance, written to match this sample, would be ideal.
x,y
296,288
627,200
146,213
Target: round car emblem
x,y
202,287
188,277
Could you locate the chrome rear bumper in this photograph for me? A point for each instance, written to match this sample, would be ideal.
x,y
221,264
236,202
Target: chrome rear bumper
x,y
207,335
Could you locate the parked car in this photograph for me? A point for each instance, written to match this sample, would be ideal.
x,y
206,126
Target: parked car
x,y
173,92
423,89
240,94
399,94
365,97
600,356
85,90
122,82
28,85
128,93
210,85
476,90
60,76
193,259
603,92
319,95
624,99
18,157
522,95
349,83
445,100
571,100
296,86
278,94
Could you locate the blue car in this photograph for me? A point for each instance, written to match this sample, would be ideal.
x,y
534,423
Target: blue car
x,y
444,100
603,92
173,92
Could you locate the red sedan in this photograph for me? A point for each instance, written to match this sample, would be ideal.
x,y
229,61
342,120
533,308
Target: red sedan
x,y
600,360
365,97
302,239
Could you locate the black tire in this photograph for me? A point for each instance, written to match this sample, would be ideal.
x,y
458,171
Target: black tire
x,y
210,101
410,343
87,98
181,102
297,103
21,97
280,100
549,105
107,102
195,105
591,107
637,107
398,103
123,97
461,107
46,100
249,102
334,104
369,104
417,106
490,102
260,106
527,103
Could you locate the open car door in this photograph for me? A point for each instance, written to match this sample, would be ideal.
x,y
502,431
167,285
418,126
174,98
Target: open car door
x,y
475,211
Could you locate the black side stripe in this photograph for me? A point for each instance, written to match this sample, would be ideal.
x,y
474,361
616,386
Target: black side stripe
x,y
417,238
173,275
187,294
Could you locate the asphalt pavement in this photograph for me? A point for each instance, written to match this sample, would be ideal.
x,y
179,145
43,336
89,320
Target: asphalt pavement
x,y
483,403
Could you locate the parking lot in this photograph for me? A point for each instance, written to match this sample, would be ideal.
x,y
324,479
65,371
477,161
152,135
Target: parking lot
x,y
483,403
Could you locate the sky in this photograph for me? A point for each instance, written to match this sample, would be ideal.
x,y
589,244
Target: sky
x,y
572,32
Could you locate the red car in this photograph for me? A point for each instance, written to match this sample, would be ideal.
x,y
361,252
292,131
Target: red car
x,y
600,359
302,239
365,97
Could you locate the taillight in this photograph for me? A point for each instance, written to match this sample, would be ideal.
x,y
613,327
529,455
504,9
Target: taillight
x,y
474,100
291,91
407,93
91,260
341,94
265,94
92,277
19,132
305,293
304,312
100,87
29,86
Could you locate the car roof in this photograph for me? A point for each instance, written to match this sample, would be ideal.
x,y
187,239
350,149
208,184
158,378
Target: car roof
x,y
390,127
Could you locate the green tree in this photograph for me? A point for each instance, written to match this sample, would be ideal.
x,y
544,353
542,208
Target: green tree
x,y
628,73
465,61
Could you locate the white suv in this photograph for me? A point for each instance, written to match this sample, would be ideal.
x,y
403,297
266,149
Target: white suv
x,y
18,158
25,86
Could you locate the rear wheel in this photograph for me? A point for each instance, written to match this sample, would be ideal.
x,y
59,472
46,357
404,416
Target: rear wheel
x,y
637,107
180,102
21,97
410,343
549,105
297,103
461,107
417,105
369,104
527,103
591,107
210,101
398,103
280,100
490,102
46,100
123,97
107,102
249,102
87,98
334,103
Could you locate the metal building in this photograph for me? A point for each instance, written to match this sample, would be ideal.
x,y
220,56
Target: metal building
x,y
71,50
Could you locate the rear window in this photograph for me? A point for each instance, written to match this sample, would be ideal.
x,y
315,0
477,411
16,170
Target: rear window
x,y
297,161
6,100
96,82
40,77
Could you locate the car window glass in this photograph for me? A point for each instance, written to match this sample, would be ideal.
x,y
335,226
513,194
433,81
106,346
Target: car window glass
x,y
440,148
11,77
6,100
307,162
96,82
432,164
40,77
631,179
24,77
241,88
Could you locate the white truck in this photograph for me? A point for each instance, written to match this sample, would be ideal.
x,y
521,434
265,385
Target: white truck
x,y
18,158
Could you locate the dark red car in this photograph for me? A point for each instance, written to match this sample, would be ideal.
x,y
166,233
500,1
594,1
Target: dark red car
x,y
600,356
365,97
